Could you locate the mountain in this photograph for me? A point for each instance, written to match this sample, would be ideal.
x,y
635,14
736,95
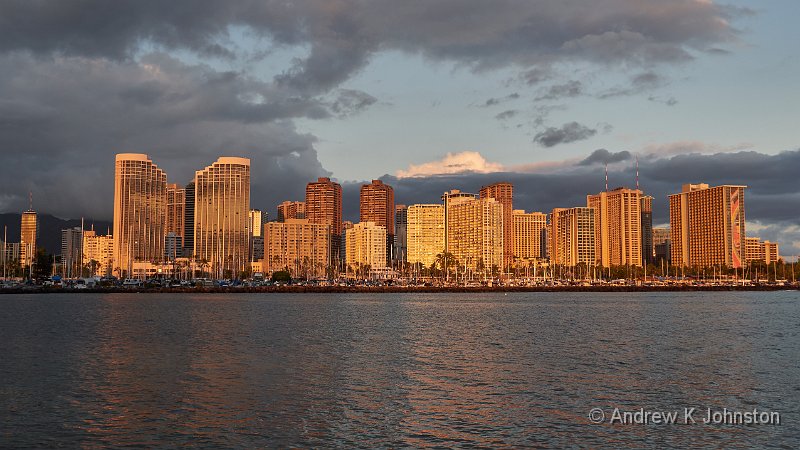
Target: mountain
x,y
49,229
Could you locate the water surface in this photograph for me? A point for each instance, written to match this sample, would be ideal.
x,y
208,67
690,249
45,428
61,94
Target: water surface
x,y
320,370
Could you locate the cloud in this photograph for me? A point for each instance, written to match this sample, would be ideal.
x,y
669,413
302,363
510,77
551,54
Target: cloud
x,y
643,82
452,163
507,114
603,156
569,132
771,200
351,101
569,89
496,101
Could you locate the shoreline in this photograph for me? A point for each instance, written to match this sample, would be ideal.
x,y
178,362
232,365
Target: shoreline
x,y
396,289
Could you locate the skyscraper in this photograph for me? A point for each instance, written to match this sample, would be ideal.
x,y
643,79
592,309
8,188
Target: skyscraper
x,y
572,236
377,206
504,193
324,206
707,226
366,246
450,198
98,253
648,251
618,227
72,252
176,209
140,212
400,252
256,235
475,233
222,216
188,221
528,231
29,230
291,210
425,233
296,245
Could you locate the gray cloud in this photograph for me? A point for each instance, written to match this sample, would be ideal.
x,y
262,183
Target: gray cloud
x,y
571,88
351,101
603,156
498,100
772,199
507,114
643,82
569,132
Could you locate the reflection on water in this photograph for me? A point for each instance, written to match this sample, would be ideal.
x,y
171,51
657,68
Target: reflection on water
x,y
393,370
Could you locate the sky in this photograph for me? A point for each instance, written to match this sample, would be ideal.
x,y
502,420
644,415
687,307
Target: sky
x,y
428,96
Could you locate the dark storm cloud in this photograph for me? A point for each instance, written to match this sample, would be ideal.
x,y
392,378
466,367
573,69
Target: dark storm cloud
x,y
82,80
772,199
603,156
569,132
62,131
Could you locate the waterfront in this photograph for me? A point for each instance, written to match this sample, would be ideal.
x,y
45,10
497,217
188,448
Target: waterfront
x,y
366,369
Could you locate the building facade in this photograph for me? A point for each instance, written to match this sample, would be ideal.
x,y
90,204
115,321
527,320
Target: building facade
x,y
707,226
528,228
474,233
400,252
425,233
618,227
758,250
648,250
298,246
571,236
72,252
140,212
661,244
504,193
29,231
365,247
98,253
188,221
222,216
291,210
324,206
376,205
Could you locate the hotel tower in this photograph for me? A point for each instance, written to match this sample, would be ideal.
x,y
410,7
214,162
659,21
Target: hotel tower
x,y
617,227
377,206
324,206
504,193
140,212
222,216
707,226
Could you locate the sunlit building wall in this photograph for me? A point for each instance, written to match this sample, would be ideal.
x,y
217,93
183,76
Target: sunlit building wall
x,y
528,234
291,210
618,227
504,193
475,233
324,206
707,226
366,246
425,233
100,249
140,212
572,236
27,242
297,245
222,216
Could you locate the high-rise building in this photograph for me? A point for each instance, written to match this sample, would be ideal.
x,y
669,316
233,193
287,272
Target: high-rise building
x,y
528,228
572,236
376,205
400,252
474,233
176,214
98,253
504,193
648,251
425,233
450,198
324,206
707,226
10,253
298,246
771,254
291,210
222,216
188,221
140,212
346,225
618,227
758,250
29,231
366,246
661,252
72,252
256,235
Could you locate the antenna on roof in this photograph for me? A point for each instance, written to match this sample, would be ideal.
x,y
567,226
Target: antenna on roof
x,y
30,200
637,172
606,177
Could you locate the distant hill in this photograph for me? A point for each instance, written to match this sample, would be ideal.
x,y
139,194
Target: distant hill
x,y
49,229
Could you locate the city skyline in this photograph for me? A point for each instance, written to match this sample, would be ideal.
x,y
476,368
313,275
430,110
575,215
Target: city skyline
x,y
474,96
